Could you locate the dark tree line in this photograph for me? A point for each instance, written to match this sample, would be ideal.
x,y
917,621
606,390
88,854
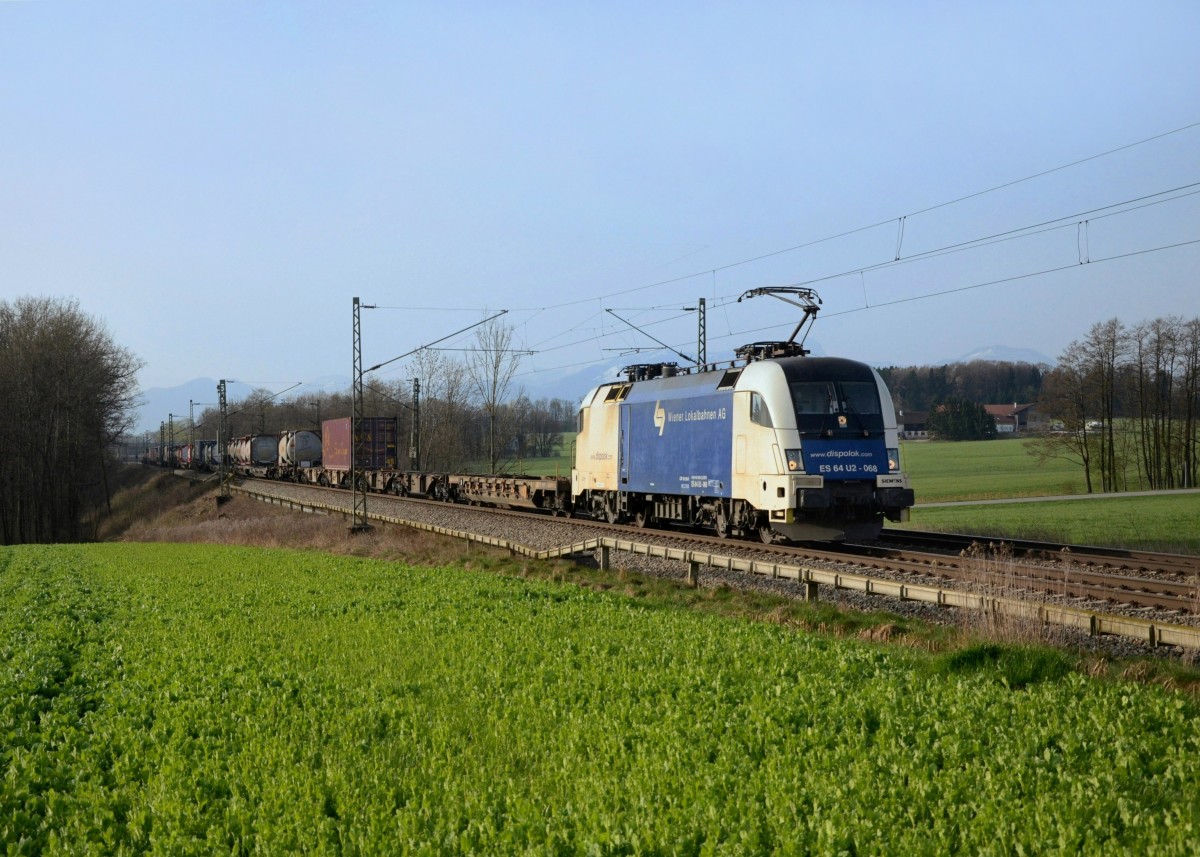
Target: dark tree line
x,y
920,388
960,419
1127,402
67,392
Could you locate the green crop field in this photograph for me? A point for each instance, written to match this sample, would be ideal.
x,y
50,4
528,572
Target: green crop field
x,y
183,699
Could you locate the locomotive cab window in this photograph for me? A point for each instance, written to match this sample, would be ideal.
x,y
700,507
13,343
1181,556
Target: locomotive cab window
x,y
861,397
832,406
759,413
815,398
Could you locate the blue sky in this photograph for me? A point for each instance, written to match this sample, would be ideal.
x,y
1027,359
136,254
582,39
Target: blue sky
x,y
217,180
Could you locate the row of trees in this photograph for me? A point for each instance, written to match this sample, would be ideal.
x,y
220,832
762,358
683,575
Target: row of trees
x,y
469,412
1128,402
66,394
920,388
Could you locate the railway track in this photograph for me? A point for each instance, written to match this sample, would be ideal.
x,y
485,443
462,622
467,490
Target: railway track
x,y
1020,569
1118,560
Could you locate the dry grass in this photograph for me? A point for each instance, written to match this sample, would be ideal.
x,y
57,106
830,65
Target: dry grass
x,y
995,559
164,508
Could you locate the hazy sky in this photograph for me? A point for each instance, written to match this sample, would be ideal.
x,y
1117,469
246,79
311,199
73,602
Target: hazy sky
x,y
217,180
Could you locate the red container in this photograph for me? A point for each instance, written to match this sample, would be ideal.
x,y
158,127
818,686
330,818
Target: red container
x,y
375,443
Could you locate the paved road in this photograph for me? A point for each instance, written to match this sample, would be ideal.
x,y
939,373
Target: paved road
x,y
1060,497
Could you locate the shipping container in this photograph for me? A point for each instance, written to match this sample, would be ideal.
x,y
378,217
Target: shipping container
x,y
375,443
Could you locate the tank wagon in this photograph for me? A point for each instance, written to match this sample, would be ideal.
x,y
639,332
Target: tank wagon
x,y
804,448
255,455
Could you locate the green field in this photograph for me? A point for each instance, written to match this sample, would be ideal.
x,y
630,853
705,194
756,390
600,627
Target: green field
x,y
195,700
984,470
976,470
1162,523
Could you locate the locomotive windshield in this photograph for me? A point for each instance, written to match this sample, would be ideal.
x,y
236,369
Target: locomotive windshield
x,y
835,406
813,398
833,397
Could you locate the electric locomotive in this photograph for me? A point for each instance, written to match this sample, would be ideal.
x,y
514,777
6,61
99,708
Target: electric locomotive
x,y
782,445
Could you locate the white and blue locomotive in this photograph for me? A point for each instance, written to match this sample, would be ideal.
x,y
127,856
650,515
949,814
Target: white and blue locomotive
x,y
804,448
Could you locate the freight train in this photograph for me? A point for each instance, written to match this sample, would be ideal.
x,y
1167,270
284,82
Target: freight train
x,y
777,445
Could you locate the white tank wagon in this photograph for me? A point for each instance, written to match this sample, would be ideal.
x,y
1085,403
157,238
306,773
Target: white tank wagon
x,y
255,455
299,449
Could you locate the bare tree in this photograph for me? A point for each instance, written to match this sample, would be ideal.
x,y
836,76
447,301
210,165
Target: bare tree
x,y
1067,400
491,365
1189,394
67,392
444,410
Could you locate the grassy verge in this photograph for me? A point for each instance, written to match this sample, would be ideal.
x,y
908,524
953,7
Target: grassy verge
x,y
193,699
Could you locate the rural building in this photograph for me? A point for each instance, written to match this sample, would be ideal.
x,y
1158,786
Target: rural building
x,y
1012,419
912,424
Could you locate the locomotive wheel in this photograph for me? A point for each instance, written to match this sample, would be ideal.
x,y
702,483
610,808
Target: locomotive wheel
x,y
641,518
766,534
721,523
610,512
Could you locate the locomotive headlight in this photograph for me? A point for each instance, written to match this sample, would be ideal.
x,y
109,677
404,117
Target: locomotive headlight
x,y
793,460
893,460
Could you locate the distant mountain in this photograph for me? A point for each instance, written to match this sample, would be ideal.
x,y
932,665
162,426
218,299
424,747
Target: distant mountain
x,y
1004,354
572,386
159,404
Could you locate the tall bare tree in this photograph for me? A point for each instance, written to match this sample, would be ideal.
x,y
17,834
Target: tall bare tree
x,y
1067,399
67,393
491,365
444,410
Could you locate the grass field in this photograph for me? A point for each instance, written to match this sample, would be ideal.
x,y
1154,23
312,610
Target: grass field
x,y
1164,523
985,470
976,470
187,699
